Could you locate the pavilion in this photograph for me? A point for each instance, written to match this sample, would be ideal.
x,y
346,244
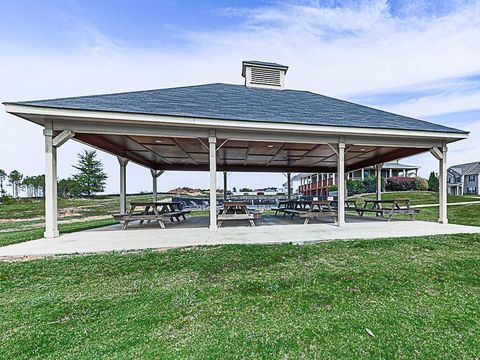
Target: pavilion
x,y
256,127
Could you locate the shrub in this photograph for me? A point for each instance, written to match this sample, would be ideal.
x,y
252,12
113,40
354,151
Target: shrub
x,y
370,184
333,188
401,184
421,184
355,187
6,199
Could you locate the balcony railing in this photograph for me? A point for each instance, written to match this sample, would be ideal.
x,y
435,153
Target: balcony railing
x,y
315,185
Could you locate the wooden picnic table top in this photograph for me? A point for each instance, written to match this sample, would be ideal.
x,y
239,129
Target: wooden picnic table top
x,y
154,203
234,203
387,201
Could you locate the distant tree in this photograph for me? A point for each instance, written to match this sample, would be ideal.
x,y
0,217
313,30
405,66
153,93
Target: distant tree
x,y
3,175
66,187
90,177
245,189
234,189
27,184
39,185
433,182
15,180
34,185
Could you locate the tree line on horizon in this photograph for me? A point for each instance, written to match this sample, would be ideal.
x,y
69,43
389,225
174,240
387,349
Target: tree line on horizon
x,y
89,179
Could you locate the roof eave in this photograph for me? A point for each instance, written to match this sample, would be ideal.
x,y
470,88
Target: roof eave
x,y
24,109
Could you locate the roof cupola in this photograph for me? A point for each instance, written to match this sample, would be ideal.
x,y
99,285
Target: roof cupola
x,y
264,75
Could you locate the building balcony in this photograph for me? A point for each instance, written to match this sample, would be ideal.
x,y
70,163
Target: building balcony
x,y
315,185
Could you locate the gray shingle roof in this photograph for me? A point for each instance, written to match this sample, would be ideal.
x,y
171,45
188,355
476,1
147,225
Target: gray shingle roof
x,y
395,165
237,102
472,168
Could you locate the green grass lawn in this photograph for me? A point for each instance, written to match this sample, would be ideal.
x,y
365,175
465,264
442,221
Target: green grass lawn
x,y
416,197
419,296
468,214
24,219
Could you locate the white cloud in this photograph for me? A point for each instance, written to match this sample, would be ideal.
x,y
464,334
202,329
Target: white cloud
x,y
342,51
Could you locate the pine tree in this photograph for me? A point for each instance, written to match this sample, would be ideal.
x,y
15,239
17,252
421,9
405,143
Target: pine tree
x,y
15,179
90,177
433,182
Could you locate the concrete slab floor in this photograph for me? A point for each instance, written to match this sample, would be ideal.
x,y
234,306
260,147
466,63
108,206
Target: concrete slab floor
x,y
281,231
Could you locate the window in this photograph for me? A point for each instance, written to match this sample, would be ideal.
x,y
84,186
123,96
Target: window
x,y
458,179
471,177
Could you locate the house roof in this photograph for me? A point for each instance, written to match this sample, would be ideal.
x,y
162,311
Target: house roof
x,y
466,169
237,102
388,165
395,165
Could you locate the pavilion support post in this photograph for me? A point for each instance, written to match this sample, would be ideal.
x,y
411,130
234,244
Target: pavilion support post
x,y
225,186
289,186
212,142
51,216
123,184
442,188
341,183
155,175
441,155
379,181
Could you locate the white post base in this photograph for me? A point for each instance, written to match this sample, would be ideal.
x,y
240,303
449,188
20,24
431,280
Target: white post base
x,y
51,234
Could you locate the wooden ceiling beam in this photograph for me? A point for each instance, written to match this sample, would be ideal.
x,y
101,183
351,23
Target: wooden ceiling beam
x,y
99,142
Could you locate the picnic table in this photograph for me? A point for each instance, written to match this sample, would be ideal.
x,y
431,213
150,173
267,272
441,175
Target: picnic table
x,y
291,206
236,211
153,211
387,207
307,209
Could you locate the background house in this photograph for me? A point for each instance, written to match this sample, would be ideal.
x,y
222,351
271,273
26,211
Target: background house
x,y
463,179
318,183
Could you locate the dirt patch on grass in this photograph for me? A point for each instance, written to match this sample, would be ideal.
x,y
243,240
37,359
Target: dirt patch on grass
x,y
11,259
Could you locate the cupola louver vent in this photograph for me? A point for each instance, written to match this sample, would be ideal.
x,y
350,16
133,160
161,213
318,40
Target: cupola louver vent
x,y
264,75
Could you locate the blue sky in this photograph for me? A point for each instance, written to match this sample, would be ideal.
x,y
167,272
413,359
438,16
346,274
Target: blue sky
x,y
418,58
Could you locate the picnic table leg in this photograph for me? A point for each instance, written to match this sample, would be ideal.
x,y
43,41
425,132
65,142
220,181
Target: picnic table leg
x,y
158,219
127,220
220,224
390,216
252,223
307,220
145,213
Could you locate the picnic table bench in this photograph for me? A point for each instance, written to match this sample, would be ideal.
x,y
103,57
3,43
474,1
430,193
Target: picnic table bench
x,y
153,211
395,206
236,211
